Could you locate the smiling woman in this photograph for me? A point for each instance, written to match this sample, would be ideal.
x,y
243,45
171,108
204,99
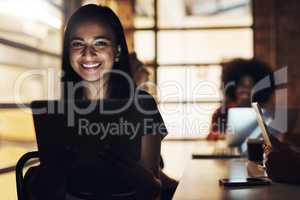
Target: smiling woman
x,y
96,66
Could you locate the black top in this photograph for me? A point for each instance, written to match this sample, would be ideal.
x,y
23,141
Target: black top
x,y
153,121
104,177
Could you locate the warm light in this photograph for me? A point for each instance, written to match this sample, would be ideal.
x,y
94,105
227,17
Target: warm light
x,y
35,10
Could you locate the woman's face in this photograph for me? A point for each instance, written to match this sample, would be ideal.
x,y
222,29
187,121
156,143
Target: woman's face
x,y
243,91
92,50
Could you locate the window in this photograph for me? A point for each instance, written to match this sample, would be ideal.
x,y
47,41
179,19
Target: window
x,y
185,41
30,45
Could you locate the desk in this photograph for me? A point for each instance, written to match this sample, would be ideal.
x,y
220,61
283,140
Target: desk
x,y
200,181
207,150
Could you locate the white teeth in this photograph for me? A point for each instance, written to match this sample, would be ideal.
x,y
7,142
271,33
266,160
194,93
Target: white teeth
x,y
90,65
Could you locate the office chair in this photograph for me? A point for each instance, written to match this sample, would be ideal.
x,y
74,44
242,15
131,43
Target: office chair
x,y
25,161
19,173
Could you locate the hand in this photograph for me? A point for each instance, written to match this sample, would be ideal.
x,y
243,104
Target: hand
x,y
267,149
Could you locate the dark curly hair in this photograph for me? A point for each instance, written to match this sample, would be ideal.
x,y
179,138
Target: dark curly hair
x,y
236,69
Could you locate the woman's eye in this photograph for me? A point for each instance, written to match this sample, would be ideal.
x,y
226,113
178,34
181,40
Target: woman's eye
x,y
77,44
101,43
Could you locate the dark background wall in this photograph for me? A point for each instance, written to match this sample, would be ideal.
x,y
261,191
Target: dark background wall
x,y
277,41
277,33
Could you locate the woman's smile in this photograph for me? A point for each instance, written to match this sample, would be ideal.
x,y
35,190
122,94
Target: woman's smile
x,y
90,65
91,70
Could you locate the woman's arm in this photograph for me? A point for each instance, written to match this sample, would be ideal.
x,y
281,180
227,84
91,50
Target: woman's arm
x,y
283,167
217,122
142,175
150,159
282,163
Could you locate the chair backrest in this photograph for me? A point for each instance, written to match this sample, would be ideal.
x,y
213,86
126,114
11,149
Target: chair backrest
x,y
22,162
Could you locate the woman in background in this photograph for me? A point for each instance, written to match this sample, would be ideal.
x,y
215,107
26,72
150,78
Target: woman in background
x,y
239,77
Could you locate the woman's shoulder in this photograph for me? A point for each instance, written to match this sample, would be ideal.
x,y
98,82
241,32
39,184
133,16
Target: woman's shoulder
x,y
151,111
143,92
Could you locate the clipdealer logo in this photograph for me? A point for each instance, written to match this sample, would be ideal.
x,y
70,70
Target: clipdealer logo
x,y
279,121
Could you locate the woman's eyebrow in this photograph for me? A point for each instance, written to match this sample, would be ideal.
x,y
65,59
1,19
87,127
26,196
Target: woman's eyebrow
x,y
102,37
76,38
95,38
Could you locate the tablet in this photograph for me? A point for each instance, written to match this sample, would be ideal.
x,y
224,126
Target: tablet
x,y
261,123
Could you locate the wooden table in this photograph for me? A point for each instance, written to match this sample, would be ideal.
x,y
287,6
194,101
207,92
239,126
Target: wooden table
x,y
200,181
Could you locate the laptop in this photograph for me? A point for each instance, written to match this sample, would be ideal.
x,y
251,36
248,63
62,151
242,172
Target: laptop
x,y
76,131
241,125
